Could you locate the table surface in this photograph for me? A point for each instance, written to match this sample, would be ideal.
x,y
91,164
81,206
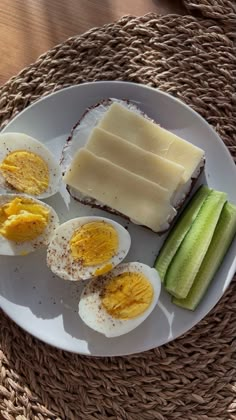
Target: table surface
x,y
30,27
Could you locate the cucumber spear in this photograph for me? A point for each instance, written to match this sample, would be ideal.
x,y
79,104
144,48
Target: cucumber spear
x,y
179,231
188,259
223,236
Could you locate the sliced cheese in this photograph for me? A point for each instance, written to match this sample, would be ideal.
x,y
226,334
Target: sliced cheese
x,y
142,201
148,165
149,136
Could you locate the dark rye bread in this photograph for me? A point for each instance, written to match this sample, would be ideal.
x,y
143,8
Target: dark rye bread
x,y
77,139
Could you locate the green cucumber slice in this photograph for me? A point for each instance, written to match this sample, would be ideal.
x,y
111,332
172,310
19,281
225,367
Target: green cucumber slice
x,y
179,231
223,236
187,261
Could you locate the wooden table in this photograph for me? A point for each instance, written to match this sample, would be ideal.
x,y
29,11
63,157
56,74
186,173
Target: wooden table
x,y
30,27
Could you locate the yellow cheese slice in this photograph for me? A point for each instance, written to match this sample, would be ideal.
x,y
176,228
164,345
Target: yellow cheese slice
x,y
152,167
142,201
149,136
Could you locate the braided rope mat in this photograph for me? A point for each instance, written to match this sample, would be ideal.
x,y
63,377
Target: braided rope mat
x,y
192,378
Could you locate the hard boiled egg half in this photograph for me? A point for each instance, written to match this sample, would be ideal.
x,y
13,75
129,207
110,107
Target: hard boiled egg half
x,y
27,166
85,247
118,302
26,224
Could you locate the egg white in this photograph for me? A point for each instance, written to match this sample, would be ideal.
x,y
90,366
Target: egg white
x,y
96,317
10,142
59,257
8,247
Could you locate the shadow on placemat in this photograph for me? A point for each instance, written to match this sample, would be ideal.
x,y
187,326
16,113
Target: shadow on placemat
x,y
193,377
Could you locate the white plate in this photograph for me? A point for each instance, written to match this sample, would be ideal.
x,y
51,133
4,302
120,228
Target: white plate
x,y
46,306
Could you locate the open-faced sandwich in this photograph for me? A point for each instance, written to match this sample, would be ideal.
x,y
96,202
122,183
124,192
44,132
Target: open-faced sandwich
x,y
119,160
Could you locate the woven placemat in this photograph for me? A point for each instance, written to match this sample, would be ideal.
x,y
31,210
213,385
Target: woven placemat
x,y
192,378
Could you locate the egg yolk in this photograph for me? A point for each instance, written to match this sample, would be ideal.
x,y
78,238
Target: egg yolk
x,y
22,220
103,270
26,172
127,296
94,243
